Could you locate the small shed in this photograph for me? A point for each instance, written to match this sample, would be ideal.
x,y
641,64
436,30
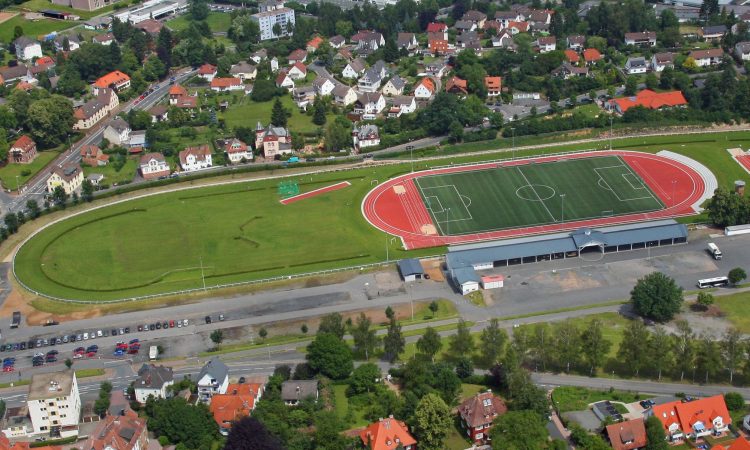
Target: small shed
x,y
466,279
410,269
95,178
492,281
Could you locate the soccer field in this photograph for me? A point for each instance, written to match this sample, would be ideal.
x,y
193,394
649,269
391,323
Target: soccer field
x,y
534,194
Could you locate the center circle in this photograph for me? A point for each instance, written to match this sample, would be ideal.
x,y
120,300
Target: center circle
x,y
535,192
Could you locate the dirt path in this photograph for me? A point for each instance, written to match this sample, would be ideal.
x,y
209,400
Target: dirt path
x,y
6,16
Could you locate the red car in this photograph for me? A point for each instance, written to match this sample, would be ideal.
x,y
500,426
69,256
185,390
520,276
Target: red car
x,y
171,324
90,354
8,369
133,351
122,346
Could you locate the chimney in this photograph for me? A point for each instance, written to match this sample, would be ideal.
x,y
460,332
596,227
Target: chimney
x,y
739,188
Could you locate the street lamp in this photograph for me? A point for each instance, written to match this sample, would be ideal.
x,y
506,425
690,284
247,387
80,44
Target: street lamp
x,y
513,132
411,155
18,186
203,276
562,208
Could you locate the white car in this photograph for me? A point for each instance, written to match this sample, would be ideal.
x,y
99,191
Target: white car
x,y
85,336
185,323
99,333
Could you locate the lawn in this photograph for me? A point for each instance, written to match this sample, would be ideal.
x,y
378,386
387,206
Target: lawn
x,y
111,176
85,373
8,173
570,398
345,410
736,309
217,22
530,194
33,28
248,113
39,5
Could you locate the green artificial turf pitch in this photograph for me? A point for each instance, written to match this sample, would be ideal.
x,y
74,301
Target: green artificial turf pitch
x,y
534,194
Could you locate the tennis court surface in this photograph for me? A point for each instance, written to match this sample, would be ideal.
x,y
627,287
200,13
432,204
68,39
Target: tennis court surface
x,y
459,204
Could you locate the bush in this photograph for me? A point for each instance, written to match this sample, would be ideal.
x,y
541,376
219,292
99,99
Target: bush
x,y
734,401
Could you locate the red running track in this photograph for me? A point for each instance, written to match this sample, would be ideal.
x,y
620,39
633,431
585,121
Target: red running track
x,y
313,193
405,215
744,161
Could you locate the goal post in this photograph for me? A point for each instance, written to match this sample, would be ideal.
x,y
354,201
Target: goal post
x,y
288,189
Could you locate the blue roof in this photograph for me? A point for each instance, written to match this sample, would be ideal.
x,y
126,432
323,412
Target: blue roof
x,y
410,267
468,255
464,275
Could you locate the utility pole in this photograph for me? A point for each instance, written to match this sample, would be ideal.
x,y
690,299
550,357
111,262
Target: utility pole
x,y
411,155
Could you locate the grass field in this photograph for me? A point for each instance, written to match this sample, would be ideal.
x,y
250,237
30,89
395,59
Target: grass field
x,y
531,195
736,309
248,113
217,22
8,173
33,28
111,176
40,5
569,398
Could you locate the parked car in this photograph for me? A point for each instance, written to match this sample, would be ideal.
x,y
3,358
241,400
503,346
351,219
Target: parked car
x,y
208,319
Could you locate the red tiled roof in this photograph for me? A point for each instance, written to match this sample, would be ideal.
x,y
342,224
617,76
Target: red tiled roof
x,y
652,100
200,152
710,53
150,26
426,82
591,55
225,82
118,432
315,42
298,55
44,61
24,142
237,403
24,86
520,26
455,83
481,409
688,413
240,146
113,78
436,27
572,56
206,69
280,77
177,90
387,434
627,435
301,67
493,82
739,444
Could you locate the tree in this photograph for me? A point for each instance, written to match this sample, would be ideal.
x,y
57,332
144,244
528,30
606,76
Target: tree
x,y
334,324
50,119
330,356
726,208
525,395
217,337
68,363
736,275
249,433
634,342
59,196
365,339
656,296
464,367
705,300
667,77
429,344
567,343
70,83
338,135
684,349
631,86
594,346
17,32
394,342
319,111
655,436
11,222
389,313
304,328
732,351
461,344
364,378
492,343
191,425
432,421
735,401
390,51
651,81
198,9
87,190
456,131
707,357
433,308
660,350
518,430
263,90
164,47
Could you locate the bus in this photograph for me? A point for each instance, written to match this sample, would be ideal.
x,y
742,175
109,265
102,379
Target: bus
x,y
713,282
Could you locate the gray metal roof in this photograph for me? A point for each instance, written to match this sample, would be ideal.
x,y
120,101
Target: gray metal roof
x,y
470,254
464,275
410,267
216,369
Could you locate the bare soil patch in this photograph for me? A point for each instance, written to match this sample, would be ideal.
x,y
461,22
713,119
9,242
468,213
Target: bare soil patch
x,y
5,16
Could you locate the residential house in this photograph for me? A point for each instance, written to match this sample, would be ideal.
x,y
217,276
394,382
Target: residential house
x,y
226,84
464,26
394,86
425,89
370,81
284,80
153,165
494,86
368,40
518,27
572,56
91,112
323,86
238,402
661,61
592,56
705,58
742,50
365,136
273,141
42,65
369,104
175,92
476,17
23,151
297,56
137,139
344,54
438,46
237,151
539,17
467,39
212,379
313,44
641,39
388,434
11,74
545,44
354,69
294,391
636,65
628,435
693,419
504,39
568,70
337,41
649,99
437,27
207,72
478,413
576,42
407,41
456,85
713,32
69,177
741,443
73,42
506,17
436,69
114,80
93,156
54,401
187,102
244,71
117,132
27,49
153,380
159,113
298,71
344,95
260,55
195,158
103,39
150,26
124,431
403,104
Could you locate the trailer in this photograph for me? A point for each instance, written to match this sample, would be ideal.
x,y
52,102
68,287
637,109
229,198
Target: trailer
x,y
16,321
153,352
713,249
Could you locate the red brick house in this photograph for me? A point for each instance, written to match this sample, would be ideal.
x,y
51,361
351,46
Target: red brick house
x,y
93,156
477,414
23,151
387,434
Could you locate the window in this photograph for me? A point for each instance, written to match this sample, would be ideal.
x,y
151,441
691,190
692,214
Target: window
x,y
43,428
480,435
